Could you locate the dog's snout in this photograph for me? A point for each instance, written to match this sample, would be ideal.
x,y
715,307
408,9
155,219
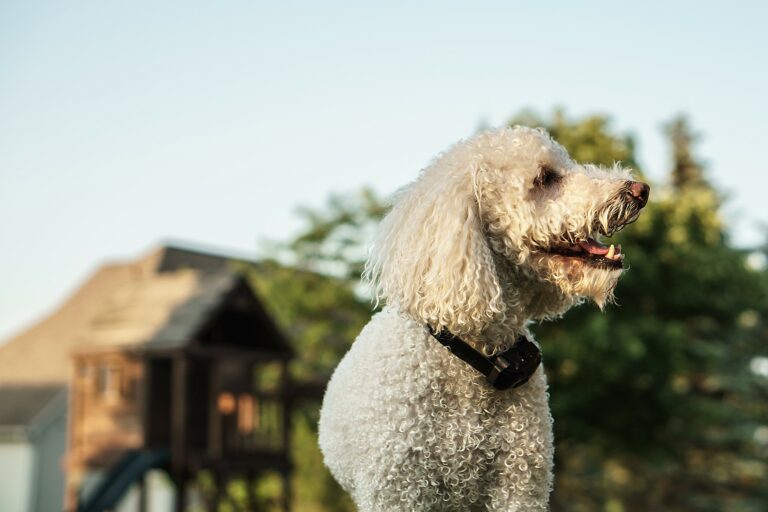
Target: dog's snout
x,y
639,191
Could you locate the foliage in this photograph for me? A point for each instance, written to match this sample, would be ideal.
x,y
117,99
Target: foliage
x,y
321,315
686,170
655,405
335,239
588,140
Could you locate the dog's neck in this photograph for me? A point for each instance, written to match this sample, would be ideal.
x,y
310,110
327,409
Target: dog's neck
x,y
530,298
527,299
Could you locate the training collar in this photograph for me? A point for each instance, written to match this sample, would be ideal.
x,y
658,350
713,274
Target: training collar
x,y
509,369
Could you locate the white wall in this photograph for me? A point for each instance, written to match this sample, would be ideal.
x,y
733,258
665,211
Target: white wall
x,y
16,467
50,446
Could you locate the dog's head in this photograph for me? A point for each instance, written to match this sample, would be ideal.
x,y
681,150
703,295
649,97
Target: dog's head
x,y
504,224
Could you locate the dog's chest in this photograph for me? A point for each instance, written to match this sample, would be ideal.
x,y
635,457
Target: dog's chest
x,y
457,437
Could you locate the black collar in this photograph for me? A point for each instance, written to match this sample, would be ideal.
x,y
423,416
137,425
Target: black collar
x,y
509,369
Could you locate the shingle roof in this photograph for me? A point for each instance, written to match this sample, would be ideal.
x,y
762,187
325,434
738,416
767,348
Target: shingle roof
x,y
163,311
156,301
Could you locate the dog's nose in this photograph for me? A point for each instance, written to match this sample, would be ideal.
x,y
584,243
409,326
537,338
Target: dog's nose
x,y
639,192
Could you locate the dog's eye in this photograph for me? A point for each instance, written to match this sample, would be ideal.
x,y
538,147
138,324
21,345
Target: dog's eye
x,y
547,177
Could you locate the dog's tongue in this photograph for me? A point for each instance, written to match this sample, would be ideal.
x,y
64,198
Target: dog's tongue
x,y
593,247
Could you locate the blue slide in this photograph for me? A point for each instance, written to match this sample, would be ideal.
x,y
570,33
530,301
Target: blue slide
x,y
121,476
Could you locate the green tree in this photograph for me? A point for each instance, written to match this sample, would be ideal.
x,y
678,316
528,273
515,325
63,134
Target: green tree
x,y
311,287
588,140
686,171
653,399
655,405
334,238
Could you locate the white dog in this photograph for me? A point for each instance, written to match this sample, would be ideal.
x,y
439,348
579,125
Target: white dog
x,y
499,231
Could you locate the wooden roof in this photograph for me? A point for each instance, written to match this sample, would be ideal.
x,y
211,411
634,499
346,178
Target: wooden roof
x,y
156,302
162,310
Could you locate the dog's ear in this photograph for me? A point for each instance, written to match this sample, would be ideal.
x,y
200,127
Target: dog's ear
x,y
431,258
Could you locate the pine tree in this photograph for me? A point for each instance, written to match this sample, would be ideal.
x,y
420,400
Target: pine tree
x,y
686,171
653,400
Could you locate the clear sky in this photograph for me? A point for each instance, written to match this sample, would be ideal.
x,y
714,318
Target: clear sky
x,y
123,124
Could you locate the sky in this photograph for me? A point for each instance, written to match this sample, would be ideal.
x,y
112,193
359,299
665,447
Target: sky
x,y
127,124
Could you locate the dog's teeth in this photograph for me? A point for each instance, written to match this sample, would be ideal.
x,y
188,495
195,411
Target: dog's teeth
x,y
611,252
618,249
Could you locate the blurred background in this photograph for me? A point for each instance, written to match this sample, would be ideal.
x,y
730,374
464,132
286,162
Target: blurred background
x,y
188,189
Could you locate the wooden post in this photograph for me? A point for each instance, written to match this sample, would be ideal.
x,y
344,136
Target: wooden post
x,y
214,416
179,412
179,482
145,385
71,492
287,407
143,494
216,498
286,491
74,462
287,410
179,429
250,482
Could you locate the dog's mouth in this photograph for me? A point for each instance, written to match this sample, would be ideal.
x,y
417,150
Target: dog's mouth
x,y
591,252
586,248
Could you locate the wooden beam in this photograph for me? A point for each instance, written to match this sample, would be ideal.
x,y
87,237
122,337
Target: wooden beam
x,y
313,390
248,354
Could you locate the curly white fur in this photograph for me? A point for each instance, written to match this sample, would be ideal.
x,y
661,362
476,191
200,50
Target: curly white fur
x,y
405,425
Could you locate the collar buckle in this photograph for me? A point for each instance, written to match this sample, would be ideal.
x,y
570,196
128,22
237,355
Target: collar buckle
x,y
514,367
509,369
